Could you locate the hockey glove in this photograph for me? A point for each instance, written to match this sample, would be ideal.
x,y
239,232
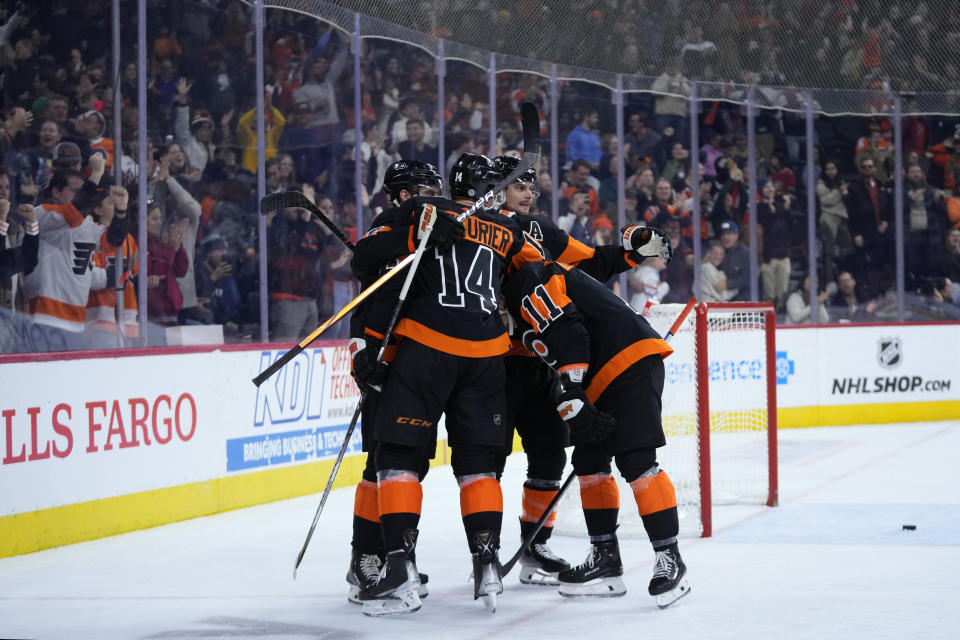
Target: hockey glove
x,y
366,369
646,242
446,229
587,423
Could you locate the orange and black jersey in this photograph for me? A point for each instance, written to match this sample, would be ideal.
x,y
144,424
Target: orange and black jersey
x,y
368,321
601,263
549,300
452,305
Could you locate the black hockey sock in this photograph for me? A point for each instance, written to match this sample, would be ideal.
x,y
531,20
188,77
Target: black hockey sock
x,y
542,536
393,525
601,521
482,521
367,536
662,528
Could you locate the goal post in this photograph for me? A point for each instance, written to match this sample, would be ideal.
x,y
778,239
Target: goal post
x,y
719,416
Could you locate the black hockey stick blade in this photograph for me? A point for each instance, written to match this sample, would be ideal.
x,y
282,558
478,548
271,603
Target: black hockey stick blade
x,y
530,120
284,199
508,565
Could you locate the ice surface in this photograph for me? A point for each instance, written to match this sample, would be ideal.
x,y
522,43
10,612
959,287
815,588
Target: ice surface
x,y
832,561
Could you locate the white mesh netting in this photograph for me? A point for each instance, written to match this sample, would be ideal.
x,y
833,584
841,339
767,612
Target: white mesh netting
x,y
738,440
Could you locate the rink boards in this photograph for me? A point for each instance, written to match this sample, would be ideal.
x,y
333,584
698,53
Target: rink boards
x,y
867,374
96,444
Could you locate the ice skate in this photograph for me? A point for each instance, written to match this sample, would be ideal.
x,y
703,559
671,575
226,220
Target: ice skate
x,y
539,565
599,576
363,572
487,583
669,582
396,590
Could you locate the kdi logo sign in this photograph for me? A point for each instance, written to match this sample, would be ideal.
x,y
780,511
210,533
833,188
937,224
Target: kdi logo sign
x,y
295,392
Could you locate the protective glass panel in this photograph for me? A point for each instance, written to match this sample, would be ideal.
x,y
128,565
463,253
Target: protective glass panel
x,y
855,194
202,270
466,111
309,148
513,89
586,122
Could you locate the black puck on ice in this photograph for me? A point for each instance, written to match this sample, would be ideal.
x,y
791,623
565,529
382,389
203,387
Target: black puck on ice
x,y
909,527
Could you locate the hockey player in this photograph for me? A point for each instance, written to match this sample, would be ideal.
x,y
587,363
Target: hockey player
x,y
530,402
402,181
609,362
448,362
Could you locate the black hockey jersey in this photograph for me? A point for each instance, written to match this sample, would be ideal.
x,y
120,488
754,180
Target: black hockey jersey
x,y
452,306
370,318
549,301
601,263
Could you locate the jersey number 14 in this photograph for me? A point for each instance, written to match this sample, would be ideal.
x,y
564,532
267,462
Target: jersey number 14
x,y
476,289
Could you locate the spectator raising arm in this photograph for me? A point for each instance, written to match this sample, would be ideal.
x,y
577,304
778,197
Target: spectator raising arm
x,y
247,135
197,150
20,259
187,205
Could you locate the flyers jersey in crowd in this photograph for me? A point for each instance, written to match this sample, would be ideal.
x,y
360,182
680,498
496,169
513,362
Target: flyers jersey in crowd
x,y
59,288
101,307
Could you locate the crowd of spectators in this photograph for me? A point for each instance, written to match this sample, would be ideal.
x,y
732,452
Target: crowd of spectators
x,y
202,224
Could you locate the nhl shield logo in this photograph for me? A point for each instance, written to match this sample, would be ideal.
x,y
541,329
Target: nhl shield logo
x,y
891,352
497,419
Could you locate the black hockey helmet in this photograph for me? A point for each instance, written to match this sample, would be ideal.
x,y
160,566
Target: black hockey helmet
x,y
410,175
472,176
506,164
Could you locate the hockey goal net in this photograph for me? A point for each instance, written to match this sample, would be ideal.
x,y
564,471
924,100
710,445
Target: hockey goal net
x,y
719,416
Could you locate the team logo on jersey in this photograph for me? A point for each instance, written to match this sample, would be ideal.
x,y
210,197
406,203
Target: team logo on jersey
x,y
536,231
82,254
891,352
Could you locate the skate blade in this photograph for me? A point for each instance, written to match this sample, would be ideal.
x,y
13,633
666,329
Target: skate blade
x,y
596,588
490,601
353,596
538,577
395,605
664,600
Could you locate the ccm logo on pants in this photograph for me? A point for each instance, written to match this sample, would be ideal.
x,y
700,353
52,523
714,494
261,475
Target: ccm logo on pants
x,y
416,422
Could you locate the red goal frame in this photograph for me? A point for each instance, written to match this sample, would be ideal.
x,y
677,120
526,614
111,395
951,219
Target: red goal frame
x,y
703,401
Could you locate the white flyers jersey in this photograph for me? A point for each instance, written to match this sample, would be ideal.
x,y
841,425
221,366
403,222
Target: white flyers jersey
x,y
58,289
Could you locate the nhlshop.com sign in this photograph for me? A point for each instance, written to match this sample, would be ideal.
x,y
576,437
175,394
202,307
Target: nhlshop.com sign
x,y
879,364
901,384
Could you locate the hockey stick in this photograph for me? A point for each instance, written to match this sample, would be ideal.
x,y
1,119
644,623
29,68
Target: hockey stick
x,y
566,483
427,229
350,306
530,118
286,199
